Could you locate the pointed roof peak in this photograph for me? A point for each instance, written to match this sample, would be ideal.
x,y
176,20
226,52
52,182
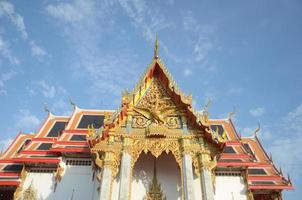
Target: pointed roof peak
x,y
156,48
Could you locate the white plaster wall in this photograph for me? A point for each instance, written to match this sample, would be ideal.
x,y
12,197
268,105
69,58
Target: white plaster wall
x,y
77,182
42,183
168,175
230,188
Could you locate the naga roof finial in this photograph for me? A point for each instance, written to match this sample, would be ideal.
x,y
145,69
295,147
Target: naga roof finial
x,y
156,48
46,108
231,114
72,103
257,130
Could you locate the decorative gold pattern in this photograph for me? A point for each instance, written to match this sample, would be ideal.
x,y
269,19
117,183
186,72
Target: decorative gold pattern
x,y
30,193
156,107
19,189
155,190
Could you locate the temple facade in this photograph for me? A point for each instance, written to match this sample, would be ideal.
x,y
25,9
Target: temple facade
x,y
154,147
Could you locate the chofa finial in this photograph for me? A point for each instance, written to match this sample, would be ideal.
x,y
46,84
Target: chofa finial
x,y
156,48
72,103
231,114
46,108
257,130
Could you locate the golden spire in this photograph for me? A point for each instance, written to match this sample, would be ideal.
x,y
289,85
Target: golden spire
x,y
156,48
155,191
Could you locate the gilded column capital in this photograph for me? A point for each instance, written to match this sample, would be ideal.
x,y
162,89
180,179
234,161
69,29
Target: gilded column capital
x,y
206,162
111,161
128,144
111,138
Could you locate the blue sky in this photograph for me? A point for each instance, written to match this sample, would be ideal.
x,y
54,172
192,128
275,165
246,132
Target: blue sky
x,y
242,54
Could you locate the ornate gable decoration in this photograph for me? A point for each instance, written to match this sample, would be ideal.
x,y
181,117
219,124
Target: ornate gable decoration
x,y
156,112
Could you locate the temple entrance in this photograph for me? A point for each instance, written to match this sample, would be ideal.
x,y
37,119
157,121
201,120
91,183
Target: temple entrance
x,y
156,178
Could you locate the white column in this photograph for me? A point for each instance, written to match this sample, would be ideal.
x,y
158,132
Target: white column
x,y
105,185
188,181
125,171
107,176
187,170
206,176
125,177
207,185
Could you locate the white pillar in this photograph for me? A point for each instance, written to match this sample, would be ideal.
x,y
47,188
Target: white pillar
x,y
206,176
105,185
207,185
125,177
188,181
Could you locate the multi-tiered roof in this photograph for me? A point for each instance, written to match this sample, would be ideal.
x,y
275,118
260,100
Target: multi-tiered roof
x,y
66,136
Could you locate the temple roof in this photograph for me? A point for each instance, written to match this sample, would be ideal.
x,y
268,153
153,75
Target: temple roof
x,y
66,136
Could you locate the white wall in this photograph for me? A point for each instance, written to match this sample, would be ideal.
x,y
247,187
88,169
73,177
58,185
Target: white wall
x,y
43,184
230,188
168,175
77,181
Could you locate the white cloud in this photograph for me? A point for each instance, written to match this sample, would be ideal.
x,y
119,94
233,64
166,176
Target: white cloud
x,y
285,148
6,53
26,121
257,112
202,40
56,96
68,12
187,72
4,77
85,34
37,50
264,132
293,120
48,91
7,9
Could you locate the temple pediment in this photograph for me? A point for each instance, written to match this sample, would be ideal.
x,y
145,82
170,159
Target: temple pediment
x,y
156,111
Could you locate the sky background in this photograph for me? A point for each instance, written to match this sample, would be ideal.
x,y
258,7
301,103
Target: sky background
x,y
245,55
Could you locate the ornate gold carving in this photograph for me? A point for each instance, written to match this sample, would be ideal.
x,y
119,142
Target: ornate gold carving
x,y
60,172
30,193
206,162
139,122
19,189
111,161
155,190
156,107
99,162
203,116
250,195
156,130
94,133
156,147
221,138
173,122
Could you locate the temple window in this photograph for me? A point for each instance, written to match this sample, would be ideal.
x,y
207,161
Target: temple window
x,y
95,120
78,138
263,183
256,171
229,150
44,146
57,129
23,145
13,168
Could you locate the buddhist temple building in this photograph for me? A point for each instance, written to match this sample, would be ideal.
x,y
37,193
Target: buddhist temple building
x,y
155,146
